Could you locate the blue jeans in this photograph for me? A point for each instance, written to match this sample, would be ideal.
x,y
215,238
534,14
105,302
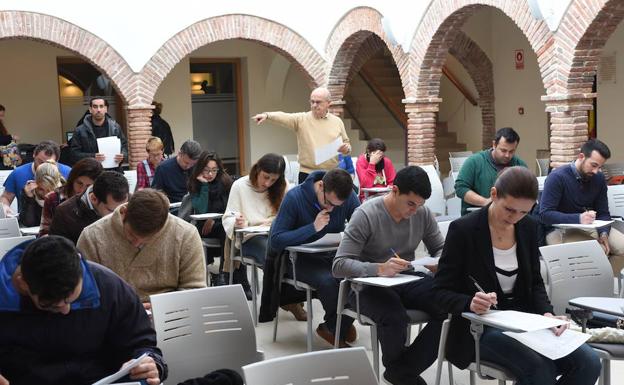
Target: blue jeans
x,y
581,367
256,247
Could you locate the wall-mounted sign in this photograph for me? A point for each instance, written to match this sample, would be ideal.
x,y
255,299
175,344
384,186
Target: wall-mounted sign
x,y
519,56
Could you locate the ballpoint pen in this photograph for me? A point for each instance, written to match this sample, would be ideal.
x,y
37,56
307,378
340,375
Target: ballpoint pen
x,y
474,281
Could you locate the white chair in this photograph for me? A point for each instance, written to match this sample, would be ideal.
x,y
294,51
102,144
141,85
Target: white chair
x,y
460,154
131,176
581,269
448,185
613,169
615,197
341,367
7,244
543,165
436,202
457,163
202,330
9,228
291,172
453,207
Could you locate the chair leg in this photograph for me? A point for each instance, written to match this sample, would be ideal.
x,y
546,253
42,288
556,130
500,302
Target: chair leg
x,y
501,382
375,349
450,370
408,335
309,300
254,295
606,371
255,273
472,378
275,322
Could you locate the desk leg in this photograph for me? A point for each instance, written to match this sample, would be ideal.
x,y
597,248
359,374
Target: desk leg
x,y
279,289
477,330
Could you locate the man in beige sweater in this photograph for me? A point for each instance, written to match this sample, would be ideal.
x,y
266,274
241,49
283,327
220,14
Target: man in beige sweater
x,y
152,250
314,129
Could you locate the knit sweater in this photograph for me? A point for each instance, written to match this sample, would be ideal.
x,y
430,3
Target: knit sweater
x,y
312,133
172,260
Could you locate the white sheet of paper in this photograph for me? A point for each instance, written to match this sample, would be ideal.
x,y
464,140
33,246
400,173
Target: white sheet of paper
x,y
328,151
30,230
377,189
425,261
255,229
329,239
521,321
597,223
175,205
121,373
201,217
398,279
109,146
546,343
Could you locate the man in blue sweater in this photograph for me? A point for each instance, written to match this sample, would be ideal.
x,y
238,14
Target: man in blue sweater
x,y
577,193
320,205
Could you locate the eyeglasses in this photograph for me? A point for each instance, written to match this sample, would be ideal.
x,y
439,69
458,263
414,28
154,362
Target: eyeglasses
x,y
54,306
327,202
210,171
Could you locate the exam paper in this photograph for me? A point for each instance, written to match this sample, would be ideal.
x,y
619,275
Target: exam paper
x,y
328,151
121,373
255,229
425,261
517,320
398,279
594,225
329,239
546,343
201,217
109,146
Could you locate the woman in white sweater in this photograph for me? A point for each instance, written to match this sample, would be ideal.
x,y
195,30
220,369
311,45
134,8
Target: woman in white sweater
x,y
254,200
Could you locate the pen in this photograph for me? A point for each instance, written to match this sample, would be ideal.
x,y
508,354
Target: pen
x,y
474,281
395,253
318,207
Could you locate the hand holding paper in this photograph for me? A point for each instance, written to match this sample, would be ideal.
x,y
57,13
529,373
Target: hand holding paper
x,y
110,146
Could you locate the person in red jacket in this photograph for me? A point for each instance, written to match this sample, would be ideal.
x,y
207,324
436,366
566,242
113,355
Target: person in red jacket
x,y
373,168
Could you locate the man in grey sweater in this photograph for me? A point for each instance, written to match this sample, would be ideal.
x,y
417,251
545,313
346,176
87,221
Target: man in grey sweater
x,y
397,221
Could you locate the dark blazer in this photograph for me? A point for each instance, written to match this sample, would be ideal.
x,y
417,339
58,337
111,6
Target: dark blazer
x,y
468,251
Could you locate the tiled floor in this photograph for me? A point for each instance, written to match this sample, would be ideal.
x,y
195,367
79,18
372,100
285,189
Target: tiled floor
x,y
291,339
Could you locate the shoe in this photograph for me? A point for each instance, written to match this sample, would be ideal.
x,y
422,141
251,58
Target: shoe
x,y
394,379
297,310
323,332
351,335
240,276
221,279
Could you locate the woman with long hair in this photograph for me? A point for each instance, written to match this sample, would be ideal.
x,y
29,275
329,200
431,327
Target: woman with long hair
x,y
81,176
47,178
373,168
496,246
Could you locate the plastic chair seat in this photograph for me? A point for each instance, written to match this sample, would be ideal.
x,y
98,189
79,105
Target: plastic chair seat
x,y
493,371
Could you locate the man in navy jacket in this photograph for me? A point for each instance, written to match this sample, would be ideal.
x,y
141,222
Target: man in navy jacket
x,y
321,204
68,321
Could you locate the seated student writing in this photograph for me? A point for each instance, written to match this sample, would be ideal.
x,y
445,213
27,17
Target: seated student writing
x,y
373,168
47,178
396,222
320,205
497,247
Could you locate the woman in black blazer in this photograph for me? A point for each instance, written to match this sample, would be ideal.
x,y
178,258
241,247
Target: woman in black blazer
x,y
497,246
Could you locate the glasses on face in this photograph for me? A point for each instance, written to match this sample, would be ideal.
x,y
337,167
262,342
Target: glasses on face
x,y
155,153
54,306
210,171
328,202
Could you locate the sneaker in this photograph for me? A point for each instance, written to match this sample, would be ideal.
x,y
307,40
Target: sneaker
x,y
297,310
394,379
351,335
323,332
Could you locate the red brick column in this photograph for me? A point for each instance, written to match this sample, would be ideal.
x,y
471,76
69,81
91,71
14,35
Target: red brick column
x,y
337,108
139,130
568,125
421,124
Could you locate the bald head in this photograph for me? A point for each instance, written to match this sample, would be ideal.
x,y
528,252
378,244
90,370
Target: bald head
x,y
319,102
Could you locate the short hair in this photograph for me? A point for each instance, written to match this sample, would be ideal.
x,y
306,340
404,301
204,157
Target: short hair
x,y
157,108
2,108
595,145
517,182
510,135
51,268
271,164
111,183
154,142
192,149
49,147
339,182
413,179
48,176
147,213
88,167
97,98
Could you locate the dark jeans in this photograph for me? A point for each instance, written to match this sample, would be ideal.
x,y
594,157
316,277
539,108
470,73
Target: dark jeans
x,y
581,367
217,232
256,247
315,270
302,176
387,308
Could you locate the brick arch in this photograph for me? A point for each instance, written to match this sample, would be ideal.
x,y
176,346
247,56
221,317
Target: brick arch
x,y
60,33
582,34
246,27
479,67
354,40
439,27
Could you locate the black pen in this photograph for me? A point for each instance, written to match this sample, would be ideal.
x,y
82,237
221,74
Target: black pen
x,y
474,281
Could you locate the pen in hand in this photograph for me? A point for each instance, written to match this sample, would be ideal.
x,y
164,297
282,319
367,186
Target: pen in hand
x,y
474,281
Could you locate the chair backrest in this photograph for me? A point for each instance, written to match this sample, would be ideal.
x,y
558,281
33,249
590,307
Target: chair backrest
x,y
9,228
336,366
436,202
444,226
459,154
291,173
7,244
543,165
540,182
448,185
453,207
202,330
131,176
457,163
615,197
576,269
613,169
